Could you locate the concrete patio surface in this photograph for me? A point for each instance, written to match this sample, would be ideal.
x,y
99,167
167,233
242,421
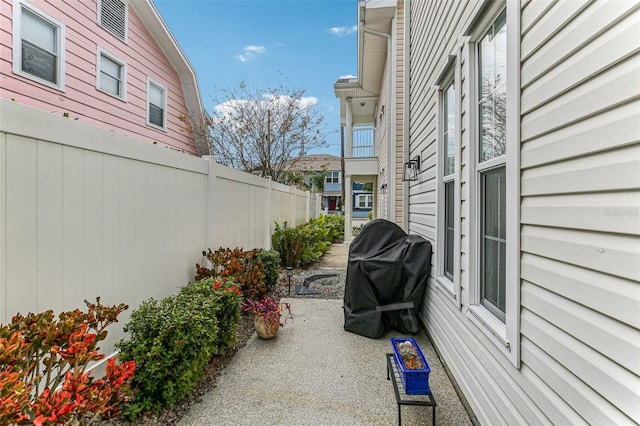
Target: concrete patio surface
x,y
316,373
336,257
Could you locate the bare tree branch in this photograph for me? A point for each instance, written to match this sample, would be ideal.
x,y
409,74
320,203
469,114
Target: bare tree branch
x,y
268,130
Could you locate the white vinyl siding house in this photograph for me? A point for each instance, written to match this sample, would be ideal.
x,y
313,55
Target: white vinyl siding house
x,y
553,220
372,111
382,131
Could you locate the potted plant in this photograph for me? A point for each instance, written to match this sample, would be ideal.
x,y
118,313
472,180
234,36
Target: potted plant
x,y
267,315
412,366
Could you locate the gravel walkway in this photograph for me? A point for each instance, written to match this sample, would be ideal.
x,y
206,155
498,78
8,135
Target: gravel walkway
x,y
327,288
332,262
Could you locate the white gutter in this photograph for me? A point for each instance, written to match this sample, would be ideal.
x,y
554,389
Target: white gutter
x,y
375,32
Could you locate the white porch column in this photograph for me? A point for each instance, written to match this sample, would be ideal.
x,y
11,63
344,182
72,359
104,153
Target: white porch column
x,y
347,202
349,126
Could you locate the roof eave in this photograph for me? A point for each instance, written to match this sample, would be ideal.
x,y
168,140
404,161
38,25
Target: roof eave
x,y
381,12
159,30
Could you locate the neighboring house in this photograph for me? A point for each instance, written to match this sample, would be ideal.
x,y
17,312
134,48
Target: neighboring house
x,y
372,110
526,119
362,200
110,63
310,165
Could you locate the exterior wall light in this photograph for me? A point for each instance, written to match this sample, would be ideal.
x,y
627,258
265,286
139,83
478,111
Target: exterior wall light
x,y
383,188
411,169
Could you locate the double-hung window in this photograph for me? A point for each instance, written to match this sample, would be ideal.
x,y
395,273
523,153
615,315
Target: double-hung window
x,y
364,201
448,201
38,47
491,165
332,176
156,105
494,178
111,75
448,137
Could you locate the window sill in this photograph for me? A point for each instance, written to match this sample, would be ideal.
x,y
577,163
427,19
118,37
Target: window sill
x,y
491,326
59,87
122,99
156,127
446,286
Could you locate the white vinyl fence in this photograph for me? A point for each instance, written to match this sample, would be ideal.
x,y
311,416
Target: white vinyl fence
x,y
85,212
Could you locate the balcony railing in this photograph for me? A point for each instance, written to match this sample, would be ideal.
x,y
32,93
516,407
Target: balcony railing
x,y
363,142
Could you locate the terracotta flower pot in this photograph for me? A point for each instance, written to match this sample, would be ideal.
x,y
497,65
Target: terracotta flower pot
x,y
266,328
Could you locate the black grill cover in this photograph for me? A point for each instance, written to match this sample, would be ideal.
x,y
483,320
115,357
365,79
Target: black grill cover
x,y
386,266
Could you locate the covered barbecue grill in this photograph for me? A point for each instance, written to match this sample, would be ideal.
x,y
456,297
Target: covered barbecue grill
x,y
386,279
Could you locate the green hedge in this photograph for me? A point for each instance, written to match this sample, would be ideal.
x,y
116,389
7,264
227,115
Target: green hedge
x,y
335,224
228,307
271,263
173,339
304,244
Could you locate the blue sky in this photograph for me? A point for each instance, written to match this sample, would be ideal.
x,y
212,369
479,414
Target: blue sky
x,y
299,43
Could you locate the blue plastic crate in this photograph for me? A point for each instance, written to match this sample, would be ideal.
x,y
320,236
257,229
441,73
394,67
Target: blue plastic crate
x,y
415,382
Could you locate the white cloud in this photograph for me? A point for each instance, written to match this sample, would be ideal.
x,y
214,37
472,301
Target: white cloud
x,y
308,101
347,76
341,31
227,108
304,102
250,52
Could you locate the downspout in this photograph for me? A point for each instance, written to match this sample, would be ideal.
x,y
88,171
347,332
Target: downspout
x,y
391,167
342,168
393,137
407,115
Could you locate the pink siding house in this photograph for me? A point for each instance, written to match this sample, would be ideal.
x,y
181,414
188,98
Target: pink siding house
x,y
110,63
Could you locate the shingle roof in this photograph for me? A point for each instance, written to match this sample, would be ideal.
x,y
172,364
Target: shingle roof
x,y
315,162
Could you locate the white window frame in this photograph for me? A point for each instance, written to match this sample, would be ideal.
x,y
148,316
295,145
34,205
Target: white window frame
x,y
104,53
449,76
164,116
18,6
368,201
126,21
331,173
504,335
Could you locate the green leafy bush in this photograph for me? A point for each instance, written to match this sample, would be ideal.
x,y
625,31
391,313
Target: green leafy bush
x,y
335,223
172,340
271,262
288,242
317,241
229,302
304,244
